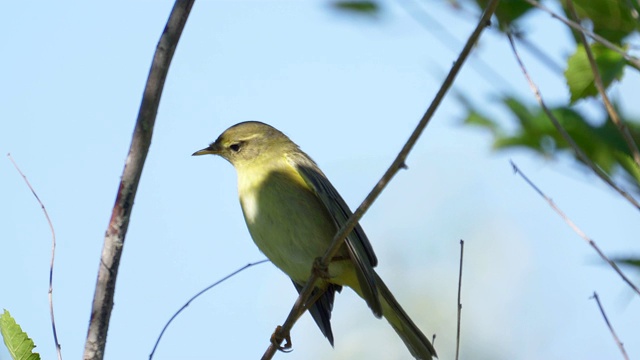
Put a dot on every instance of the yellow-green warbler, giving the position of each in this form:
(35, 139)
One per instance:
(293, 212)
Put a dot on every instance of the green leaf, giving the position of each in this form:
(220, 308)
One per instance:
(533, 130)
(474, 118)
(359, 7)
(20, 346)
(612, 19)
(634, 262)
(579, 75)
(508, 11)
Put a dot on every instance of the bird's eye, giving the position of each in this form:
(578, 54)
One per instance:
(235, 147)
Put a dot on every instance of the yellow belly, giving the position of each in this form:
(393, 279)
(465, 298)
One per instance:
(289, 224)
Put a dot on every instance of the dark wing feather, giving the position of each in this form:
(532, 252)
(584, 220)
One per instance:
(321, 309)
(358, 245)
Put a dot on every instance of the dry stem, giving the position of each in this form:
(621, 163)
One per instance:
(53, 256)
(577, 230)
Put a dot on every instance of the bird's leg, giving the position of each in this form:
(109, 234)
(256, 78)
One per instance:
(322, 270)
(277, 337)
(323, 273)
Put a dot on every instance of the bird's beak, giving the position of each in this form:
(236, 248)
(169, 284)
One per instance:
(212, 149)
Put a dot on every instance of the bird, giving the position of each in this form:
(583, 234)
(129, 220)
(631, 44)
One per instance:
(292, 212)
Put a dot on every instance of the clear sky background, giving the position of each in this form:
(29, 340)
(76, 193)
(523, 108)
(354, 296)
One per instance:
(349, 91)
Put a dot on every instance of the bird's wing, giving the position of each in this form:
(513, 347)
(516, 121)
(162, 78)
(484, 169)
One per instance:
(321, 309)
(358, 245)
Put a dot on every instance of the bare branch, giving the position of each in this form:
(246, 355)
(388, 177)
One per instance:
(576, 229)
(196, 296)
(459, 302)
(613, 114)
(632, 59)
(606, 320)
(53, 256)
(399, 163)
(117, 229)
(579, 153)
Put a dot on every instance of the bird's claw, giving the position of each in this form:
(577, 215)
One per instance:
(277, 337)
(321, 269)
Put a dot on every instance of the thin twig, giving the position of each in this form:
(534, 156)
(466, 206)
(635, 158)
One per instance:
(597, 79)
(459, 301)
(576, 229)
(121, 214)
(613, 332)
(632, 59)
(565, 135)
(196, 296)
(399, 163)
(53, 256)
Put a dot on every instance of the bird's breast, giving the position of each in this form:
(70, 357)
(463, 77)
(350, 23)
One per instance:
(287, 221)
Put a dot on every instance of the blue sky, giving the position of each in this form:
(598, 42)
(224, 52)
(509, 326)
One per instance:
(349, 91)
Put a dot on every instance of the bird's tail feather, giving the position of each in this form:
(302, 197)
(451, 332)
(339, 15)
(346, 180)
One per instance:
(419, 346)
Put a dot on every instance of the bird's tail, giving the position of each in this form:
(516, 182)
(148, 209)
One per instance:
(419, 346)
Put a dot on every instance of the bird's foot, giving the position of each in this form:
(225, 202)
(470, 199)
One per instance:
(321, 269)
(277, 337)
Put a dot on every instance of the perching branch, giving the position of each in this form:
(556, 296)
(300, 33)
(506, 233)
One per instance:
(121, 214)
(597, 79)
(613, 332)
(53, 256)
(579, 153)
(399, 163)
(577, 230)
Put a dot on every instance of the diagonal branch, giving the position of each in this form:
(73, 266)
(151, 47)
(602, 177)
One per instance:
(597, 79)
(576, 229)
(613, 332)
(579, 153)
(399, 163)
(121, 214)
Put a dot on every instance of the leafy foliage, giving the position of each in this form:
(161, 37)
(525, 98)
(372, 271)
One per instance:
(363, 7)
(603, 143)
(579, 76)
(611, 19)
(18, 343)
(628, 262)
(508, 12)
